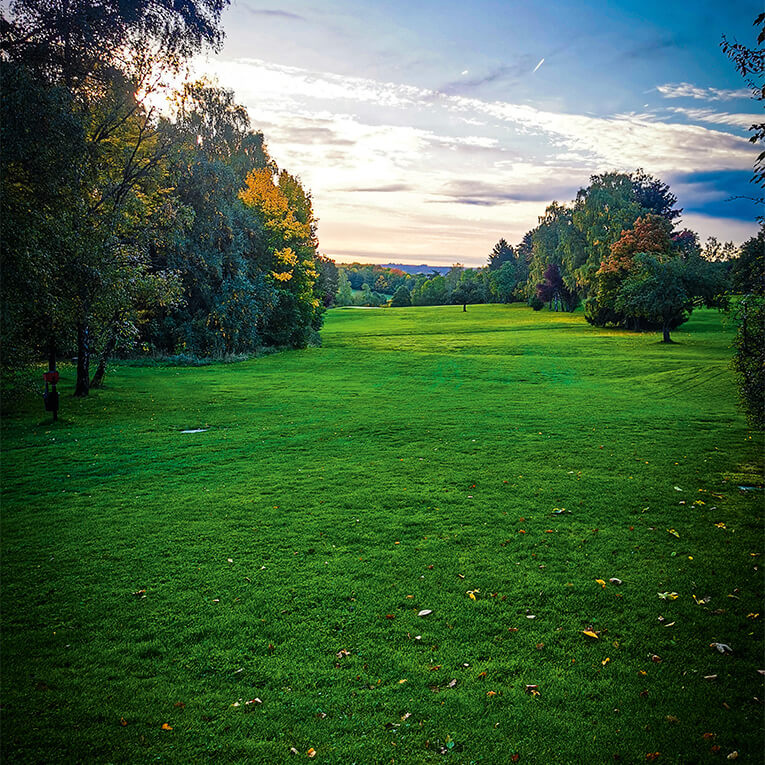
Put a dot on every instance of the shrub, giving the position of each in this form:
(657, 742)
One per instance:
(536, 303)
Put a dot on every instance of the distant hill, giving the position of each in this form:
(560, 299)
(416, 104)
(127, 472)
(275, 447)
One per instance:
(423, 269)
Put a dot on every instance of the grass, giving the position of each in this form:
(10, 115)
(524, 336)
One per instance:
(418, 455)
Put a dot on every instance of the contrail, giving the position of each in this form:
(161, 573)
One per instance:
(538, 65)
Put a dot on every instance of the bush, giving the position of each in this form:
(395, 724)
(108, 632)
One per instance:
(536, 303)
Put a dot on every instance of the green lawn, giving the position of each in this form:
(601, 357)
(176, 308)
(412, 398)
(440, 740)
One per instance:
(151, 577)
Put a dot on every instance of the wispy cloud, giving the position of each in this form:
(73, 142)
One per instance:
(687, 90)
(718, 118)
(274, 13)
(387, 189)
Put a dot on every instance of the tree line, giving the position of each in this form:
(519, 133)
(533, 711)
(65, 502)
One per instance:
(123, 228)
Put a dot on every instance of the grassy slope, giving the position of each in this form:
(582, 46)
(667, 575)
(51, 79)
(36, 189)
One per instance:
(365, 479)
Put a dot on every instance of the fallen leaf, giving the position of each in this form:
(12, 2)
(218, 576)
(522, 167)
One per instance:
(255, 701)
(732, 756)
(708, 736)
(591, 634)
(311, 752)
(425, 612)
(491, 693)
(668, 595)
(401, 682)
(390, 616)
(615, 581)
(342, 653)
(406, 716)
(710, 677)
(605, 661)
(601, 582)
(721, 525)
(672, 719)
(165, 726)
(674, 533)
(451, 684)
(293, 750)
(655, 659)
(123, 722)
(653, 756)
(471, 594)
(721, 647)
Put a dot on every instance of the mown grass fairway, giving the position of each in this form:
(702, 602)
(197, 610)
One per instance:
(417, 456)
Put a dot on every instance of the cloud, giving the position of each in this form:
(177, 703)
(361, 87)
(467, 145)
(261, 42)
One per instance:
(651, 48)
(686, 90)
(718, 118)
(386, 189)
(723, 194)
(486, 194)
(498, 74)
(274, 13)
(411, 172)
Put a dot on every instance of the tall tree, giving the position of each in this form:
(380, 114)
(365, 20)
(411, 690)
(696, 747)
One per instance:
(501, 253)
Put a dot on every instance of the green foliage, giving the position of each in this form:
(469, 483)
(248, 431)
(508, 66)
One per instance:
(656, 292)
(536, 303)
(402, 298)
(344, 294)
(501, 253)
(749, 361)
(454, 427)
(748, 270)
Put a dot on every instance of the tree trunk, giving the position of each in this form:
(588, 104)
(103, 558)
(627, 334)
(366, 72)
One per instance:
(98, 377)
(52, 368)
(82, 387)
(464, 307)
(667, 338)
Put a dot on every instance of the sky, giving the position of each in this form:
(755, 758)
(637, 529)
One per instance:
(427, 130)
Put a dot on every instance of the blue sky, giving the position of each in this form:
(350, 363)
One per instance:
(428, 130)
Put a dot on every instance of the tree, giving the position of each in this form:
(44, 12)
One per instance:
(286, 212)
(328, 279)
(552, 290)
(650, 233)
(344, 292)
(501, 253)
(657, 293)
(466, 292)
(505, 280)
(748, 270)
(401, 298)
